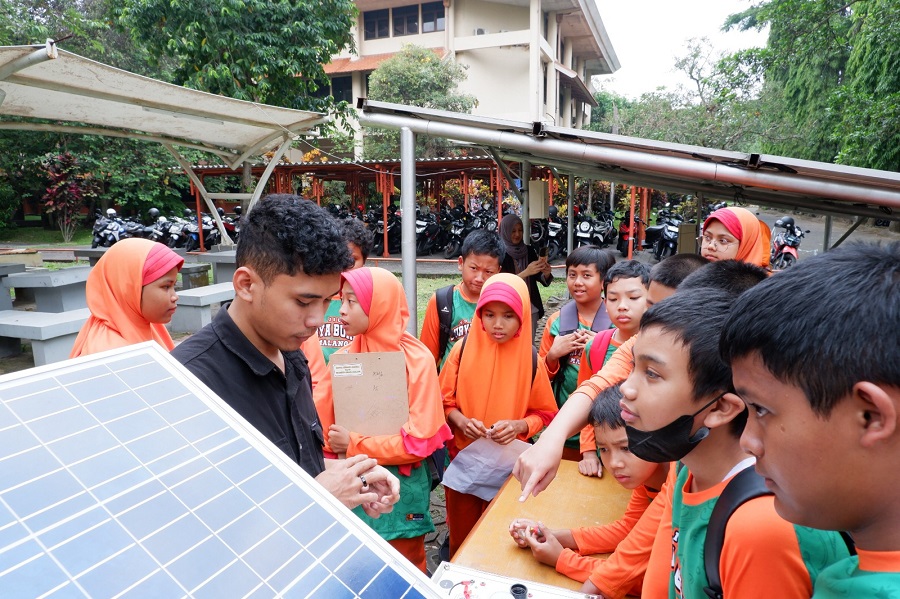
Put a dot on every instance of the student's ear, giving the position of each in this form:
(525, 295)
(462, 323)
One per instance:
(724, 411)
(459, 264)
(243, 280)
(877, 412)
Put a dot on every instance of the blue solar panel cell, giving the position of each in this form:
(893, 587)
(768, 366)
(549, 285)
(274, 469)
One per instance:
(121, 475)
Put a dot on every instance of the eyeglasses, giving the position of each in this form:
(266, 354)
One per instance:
(720, 243)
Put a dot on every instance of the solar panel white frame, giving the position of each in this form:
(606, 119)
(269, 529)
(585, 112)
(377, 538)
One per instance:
(122, 475)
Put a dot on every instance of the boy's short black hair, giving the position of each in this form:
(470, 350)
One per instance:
(824, 325)
(673, 270)
(696, 318)
(602, 260)
(605, 410)
(627, 269)
(285, 234)
(733, 276)
(355, 232)
(483, 243)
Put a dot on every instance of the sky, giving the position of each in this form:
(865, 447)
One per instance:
(649, 35)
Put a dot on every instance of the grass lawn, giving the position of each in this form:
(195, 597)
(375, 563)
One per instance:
(427, 285)
(38, 236)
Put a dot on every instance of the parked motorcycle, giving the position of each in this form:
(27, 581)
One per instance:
(394, 233)
(785, 243)
(432, 232)
(666, 244)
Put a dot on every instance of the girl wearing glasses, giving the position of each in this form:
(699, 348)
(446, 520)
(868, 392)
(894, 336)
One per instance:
(735, 234)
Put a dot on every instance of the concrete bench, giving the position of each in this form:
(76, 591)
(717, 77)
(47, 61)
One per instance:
(195, 306)
(52, 334)
(54, 290)
(93, 254)
(223, 264)
(194, 275)
(5, 270)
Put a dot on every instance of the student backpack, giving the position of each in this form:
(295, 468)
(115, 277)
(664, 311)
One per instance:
(568, 323)
(599, 347)
(745, 485)
(444, 302)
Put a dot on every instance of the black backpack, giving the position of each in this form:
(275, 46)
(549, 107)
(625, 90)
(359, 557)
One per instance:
(444, 300)
(745, 485)
(568, 323)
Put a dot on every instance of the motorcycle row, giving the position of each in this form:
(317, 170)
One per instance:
(174, 231)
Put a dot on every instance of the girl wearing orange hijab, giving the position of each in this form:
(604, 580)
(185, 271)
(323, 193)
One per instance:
(131, 295)
(735, 234)
(373, 310)
(490, 391)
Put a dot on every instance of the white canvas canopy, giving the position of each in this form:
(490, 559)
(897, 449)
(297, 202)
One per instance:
(87, 97)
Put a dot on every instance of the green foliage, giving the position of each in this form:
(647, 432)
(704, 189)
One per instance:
(256, 50)
(416, 76)
(831, 79)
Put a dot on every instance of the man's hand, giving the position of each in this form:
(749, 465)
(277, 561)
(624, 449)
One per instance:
(537, 466)
(504, 431)
(361, 481)
(338, 438)
(590, 465)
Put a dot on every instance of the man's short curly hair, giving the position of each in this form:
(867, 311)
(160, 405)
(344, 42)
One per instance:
(286, 234)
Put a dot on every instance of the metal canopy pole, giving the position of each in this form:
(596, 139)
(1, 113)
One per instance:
(860, 220)
(408, 222)
(226, 239)
(526, 214)
(570, 214)
(506, 174)
(630, 159)
(826, 241)
(264, 178)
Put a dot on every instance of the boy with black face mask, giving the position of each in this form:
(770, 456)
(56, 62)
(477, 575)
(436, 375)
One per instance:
(678, 404)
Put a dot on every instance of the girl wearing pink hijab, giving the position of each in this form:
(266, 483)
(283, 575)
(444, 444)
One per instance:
(735, 234)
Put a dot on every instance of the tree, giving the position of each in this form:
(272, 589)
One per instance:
(67, 190)
(416, 76)
(832, 79)
(268, 52)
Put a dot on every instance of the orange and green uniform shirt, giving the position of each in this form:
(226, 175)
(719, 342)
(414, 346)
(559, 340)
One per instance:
(463, 314)
(331, 334)
(873, 574)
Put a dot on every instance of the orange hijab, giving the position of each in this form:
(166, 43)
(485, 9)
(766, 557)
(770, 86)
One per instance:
(754, 236)
(114, 288)
(426, 430)
(494, 381)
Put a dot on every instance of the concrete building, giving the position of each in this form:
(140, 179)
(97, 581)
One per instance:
(528, 60)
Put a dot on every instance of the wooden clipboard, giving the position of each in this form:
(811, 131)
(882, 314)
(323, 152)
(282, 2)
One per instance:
(370, 394)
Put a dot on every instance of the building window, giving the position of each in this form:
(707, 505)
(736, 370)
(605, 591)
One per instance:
(376, 24)
(406, 20)
(342, 89)
(432, 17)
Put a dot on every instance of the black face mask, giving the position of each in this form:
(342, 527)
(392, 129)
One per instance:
(669, 443)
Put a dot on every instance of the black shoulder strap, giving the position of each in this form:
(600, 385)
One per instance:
(444, 300)
(568, 318)
(534, 356)
(601, 319)
(746, 485)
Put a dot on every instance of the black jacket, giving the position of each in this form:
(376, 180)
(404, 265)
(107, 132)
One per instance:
(509, 265)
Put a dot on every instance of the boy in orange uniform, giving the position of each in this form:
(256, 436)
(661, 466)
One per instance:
(494, 387)
(625, 292)
(480, 259)
(566, 549)
(569, 330)
(678, 405)
(814, 353)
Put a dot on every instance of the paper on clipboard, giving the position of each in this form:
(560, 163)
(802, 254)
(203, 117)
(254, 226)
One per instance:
(370, 394)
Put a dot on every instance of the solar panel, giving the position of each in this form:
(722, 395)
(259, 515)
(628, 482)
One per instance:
(122, 475)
